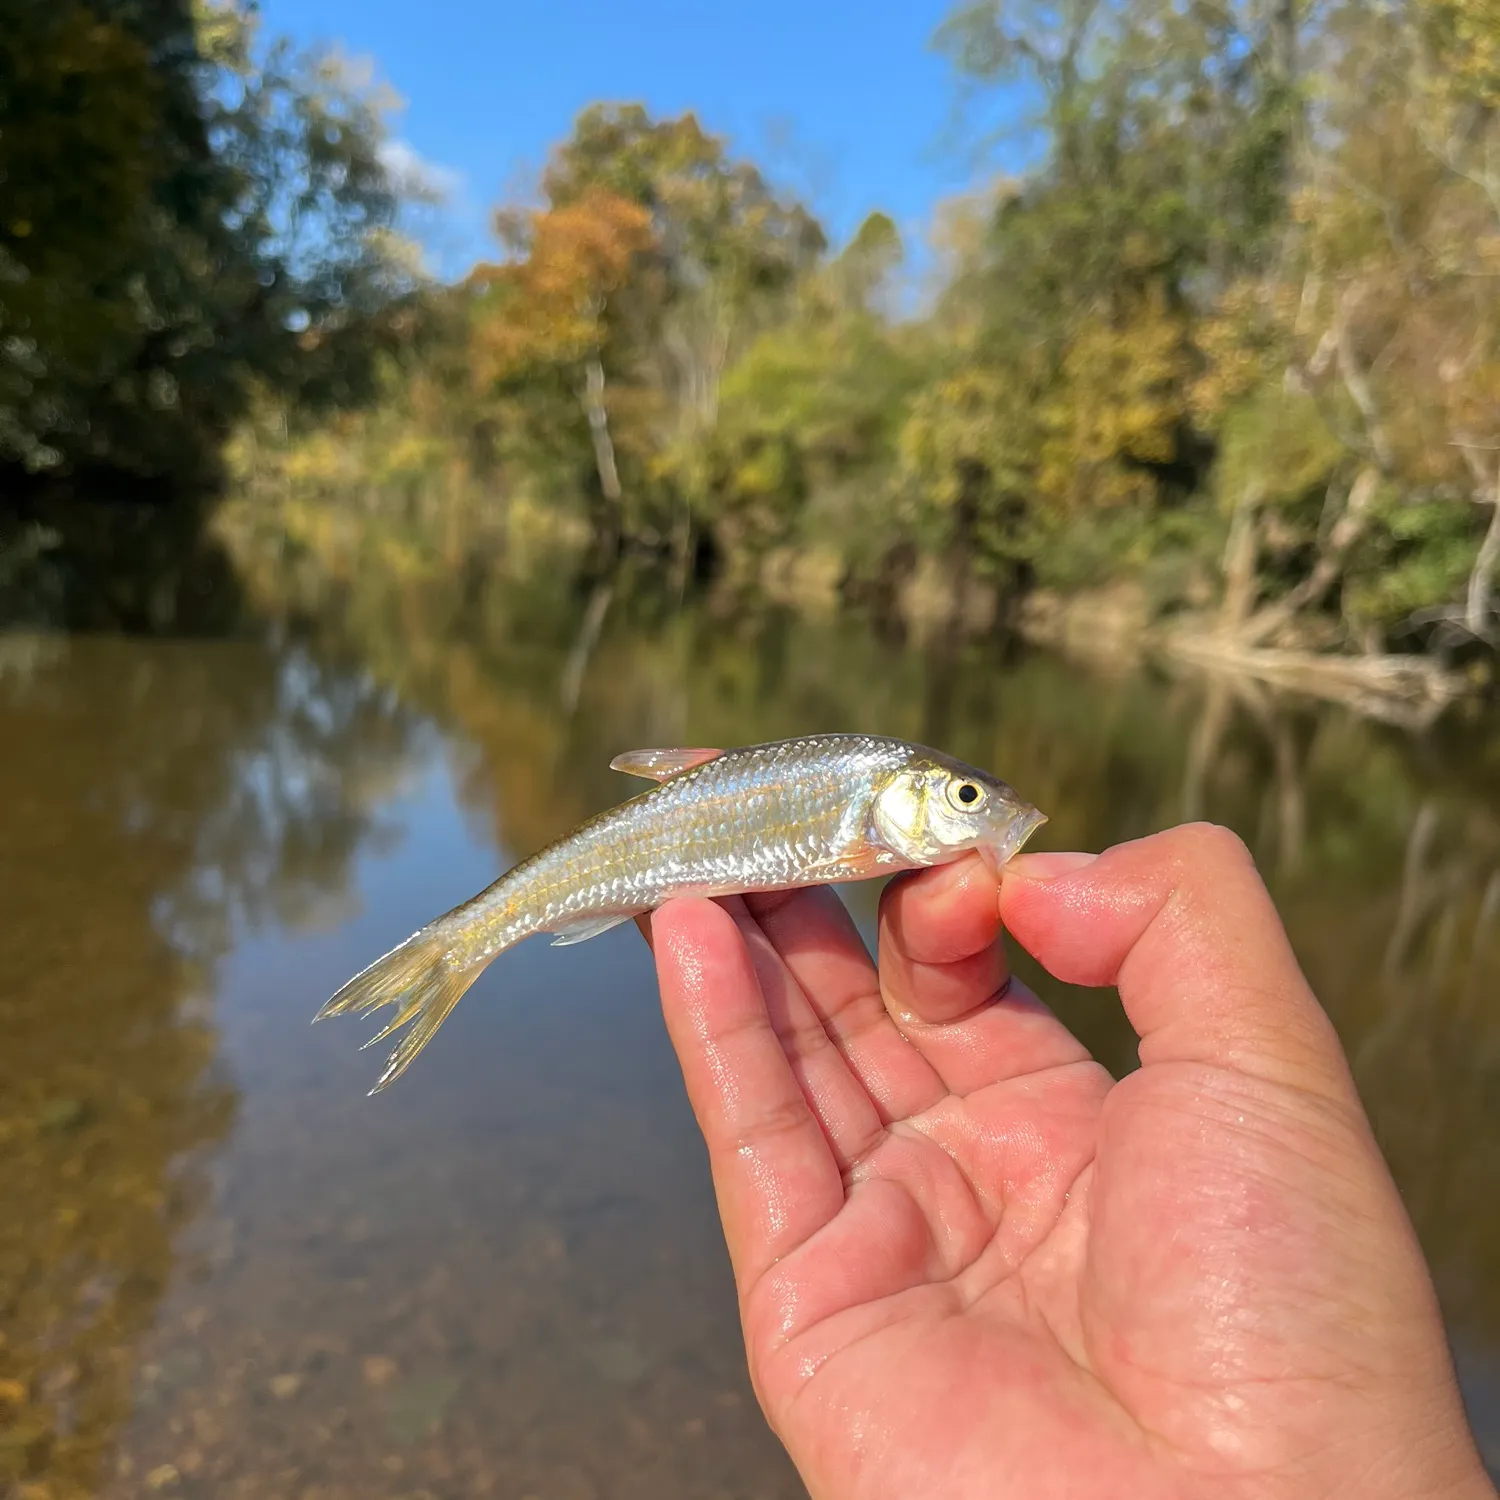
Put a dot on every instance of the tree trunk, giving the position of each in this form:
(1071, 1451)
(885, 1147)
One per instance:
(1284, 40)
(604, 454)
(1329, 567)
(1477, 603)
(1239, 557)
(1203, 749)
(1356, 383)
(584, 643)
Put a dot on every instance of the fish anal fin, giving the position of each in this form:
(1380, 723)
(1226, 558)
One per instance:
(661, 765)
(589, 927)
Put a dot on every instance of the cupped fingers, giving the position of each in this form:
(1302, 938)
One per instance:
(816, 939)
(839, 1100)
(775, 1175)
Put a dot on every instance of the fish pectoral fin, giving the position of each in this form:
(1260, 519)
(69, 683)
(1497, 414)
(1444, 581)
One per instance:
(661, 765)
(855, 864)
(589, 927)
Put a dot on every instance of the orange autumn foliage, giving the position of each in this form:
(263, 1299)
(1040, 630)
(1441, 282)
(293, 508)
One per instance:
(549, 306)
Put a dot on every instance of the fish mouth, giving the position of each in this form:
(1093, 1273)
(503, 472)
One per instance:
(1003, 850)
(1020, 831)
(1027, 825)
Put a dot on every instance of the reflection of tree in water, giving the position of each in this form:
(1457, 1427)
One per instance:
(1383, 854)
(154, 794)
(1382, 851)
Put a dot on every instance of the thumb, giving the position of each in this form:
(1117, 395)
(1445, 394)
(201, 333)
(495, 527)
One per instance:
(1183, 925)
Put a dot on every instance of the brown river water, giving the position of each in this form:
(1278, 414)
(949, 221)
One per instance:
(225, 1272)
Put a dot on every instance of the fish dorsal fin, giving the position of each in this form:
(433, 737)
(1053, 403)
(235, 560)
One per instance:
(661, 765)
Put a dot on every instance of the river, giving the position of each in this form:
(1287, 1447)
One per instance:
(225, 1272)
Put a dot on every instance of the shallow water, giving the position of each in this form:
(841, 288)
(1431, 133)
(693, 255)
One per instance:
(224, 1272)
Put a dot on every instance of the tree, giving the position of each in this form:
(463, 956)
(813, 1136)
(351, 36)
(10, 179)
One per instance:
(1375, 339)
(725, 245)
(186, 212)
(553, 310)
(1066, 400)
(802, 442)
(1237, 328)
(652, 266)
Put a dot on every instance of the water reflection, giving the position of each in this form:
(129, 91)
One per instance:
(224, 1272)
(1382, 850)
(154, 793)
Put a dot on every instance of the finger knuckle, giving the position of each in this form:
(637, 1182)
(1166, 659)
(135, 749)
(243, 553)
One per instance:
(776, 1120)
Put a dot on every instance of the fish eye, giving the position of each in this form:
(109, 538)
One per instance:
(967, 795)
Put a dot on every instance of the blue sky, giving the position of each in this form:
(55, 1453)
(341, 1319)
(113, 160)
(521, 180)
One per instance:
(843, 101)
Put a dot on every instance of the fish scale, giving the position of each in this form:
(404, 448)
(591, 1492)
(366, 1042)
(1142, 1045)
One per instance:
(809, 811)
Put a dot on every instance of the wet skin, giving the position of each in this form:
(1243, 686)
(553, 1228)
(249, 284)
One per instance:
(971, 1264)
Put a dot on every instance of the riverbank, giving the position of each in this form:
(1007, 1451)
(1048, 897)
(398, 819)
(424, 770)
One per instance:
(1117, 625)
(248, 563)
(1119, 621)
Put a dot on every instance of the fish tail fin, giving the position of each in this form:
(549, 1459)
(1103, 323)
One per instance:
(422, 979)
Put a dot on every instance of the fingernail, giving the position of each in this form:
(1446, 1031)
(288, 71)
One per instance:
(1047, 866)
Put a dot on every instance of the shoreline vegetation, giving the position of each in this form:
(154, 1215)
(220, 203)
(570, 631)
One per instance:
(1215, 382)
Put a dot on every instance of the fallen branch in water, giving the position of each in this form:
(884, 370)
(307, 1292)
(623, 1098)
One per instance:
(1408, 691)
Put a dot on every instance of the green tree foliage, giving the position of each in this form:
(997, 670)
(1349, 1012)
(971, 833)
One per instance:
(184, 212)
(1168, 129)
(725, 244)
(586, 366)
(807, 421)
(1234, 337)
(1377, 333)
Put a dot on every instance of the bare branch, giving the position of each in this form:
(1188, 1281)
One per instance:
(1478, 604)
(1358, 386)
(1313, 589)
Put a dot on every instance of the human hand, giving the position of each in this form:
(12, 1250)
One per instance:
(971, 1264)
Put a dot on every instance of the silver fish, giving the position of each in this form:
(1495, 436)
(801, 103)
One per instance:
(799, 812)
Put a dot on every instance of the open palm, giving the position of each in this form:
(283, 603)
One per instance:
(972, 1264)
